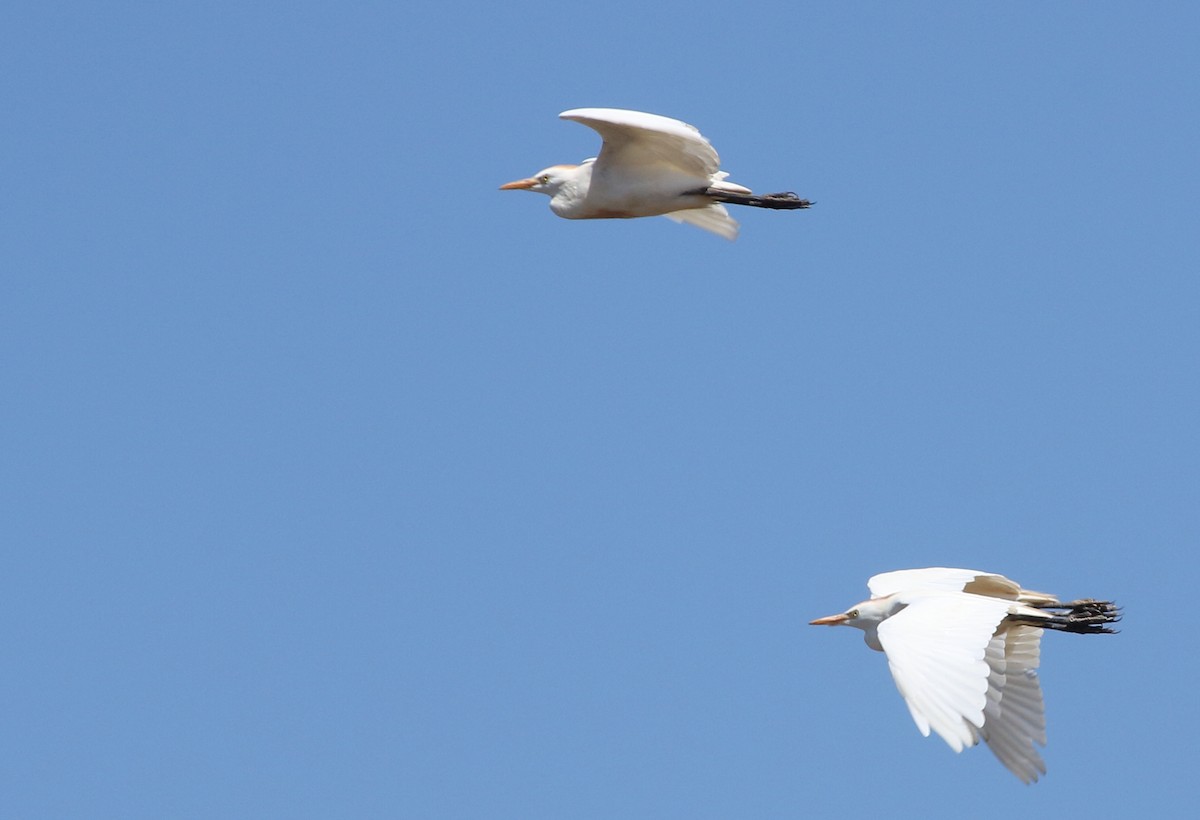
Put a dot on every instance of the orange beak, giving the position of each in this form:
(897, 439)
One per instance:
(519, 185)
(831, 620)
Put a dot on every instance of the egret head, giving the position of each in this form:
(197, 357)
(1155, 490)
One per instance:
(864, 616)
(548, 181)
(847, 618)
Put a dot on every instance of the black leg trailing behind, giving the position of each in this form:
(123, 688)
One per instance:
(1085, 617)
(786, 201)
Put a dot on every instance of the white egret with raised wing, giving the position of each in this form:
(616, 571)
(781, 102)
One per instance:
(964, 647)
(649, 165)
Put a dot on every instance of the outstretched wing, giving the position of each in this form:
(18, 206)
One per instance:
(936, 650)
(1014, 716)
(635, 142)
(944, 579)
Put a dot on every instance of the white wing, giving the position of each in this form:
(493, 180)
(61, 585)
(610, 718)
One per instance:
(636, 142)
(1014, 716)
(714, 219)
(944, 579)
(936, 650)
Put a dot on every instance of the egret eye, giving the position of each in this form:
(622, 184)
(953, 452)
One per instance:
(852, 613)
(544, 178)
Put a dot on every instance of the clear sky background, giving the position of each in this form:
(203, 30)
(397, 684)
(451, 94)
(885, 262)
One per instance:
(337, 483)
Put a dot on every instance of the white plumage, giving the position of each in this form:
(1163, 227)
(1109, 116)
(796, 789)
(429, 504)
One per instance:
(649, 165)
(963, 647)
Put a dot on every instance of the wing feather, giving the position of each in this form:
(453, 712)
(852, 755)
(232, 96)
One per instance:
(714, 219)
(936, 649)
(635, 141)
(1014, 717)
(944, 579)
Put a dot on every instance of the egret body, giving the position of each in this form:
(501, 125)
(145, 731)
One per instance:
(963, 647)
(648, 165)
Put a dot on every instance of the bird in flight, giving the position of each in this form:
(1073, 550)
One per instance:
(649, 165)
(963, 647)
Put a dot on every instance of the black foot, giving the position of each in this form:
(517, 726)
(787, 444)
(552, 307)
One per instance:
(787, 200)
(1087, 616)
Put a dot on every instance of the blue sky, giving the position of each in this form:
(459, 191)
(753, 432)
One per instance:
(338, 483)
